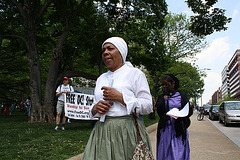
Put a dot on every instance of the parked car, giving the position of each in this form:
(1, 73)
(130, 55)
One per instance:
(229, 112)
(206, 108)
(213, 112)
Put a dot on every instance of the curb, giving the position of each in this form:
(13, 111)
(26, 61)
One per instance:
(150, 129)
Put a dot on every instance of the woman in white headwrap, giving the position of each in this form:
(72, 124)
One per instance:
(121, 91)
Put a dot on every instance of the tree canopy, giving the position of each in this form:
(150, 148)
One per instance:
(207, 18)
(43, 40)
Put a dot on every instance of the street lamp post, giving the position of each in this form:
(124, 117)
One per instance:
(195, 101)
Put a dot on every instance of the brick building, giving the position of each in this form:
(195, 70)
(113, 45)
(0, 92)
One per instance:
(217, 96)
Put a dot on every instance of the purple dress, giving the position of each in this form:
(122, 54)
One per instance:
(171, 147)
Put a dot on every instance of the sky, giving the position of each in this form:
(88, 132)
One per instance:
(221, 45)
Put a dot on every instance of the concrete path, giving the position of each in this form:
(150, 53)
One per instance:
(206, 142)
(232, 131)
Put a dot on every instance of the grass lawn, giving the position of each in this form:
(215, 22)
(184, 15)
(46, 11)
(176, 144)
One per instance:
(22, 140)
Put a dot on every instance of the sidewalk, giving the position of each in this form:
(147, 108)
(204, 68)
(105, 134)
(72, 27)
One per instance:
(206, 142)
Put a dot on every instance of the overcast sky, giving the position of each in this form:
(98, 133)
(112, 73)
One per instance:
(222, 45)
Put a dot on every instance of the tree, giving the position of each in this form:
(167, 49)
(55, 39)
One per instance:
(51, 23)
(31, 18)
(14, 73)
(56, 38)
(226, 98)
(166, 45)
(179, 40)
(207, 19)
(189, 77)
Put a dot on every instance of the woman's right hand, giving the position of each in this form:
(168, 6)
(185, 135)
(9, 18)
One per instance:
(101, 107)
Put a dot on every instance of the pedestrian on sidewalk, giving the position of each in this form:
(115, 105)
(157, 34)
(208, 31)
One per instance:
(172, 134)
(118, 93)
(61, 90)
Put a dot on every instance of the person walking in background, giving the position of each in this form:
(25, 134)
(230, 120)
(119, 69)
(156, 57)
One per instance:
(22, 106)
(61, 90)
(28, 106)
(172, 134)
(2, 108)
(120, 92)
(13, 108)
(7, 108)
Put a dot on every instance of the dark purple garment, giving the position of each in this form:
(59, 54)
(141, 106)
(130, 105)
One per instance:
(171, 147)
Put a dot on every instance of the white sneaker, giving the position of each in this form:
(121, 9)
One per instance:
(56, 128)
(69, 121)
(63, 128)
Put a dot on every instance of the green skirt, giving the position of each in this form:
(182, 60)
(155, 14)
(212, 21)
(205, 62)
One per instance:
(115, 139)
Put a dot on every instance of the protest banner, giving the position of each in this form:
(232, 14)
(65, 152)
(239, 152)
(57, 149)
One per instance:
(78, 105)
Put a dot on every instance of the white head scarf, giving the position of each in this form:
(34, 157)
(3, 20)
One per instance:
(121, 45)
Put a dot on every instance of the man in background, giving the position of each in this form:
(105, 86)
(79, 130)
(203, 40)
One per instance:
(60, 92)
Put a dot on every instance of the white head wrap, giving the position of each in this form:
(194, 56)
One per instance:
(121, 45)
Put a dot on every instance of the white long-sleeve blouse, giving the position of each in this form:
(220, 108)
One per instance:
(132, 83)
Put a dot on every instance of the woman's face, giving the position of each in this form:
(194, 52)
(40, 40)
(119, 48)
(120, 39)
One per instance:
(112, 57)
(167, 87)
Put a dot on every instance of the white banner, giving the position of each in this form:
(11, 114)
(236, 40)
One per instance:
(78, 105)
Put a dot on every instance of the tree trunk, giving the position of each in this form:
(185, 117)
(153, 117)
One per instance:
(39, 112)
(52, 79)
(35, 74)
(52, 82)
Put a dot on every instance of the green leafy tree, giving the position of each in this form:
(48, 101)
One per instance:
(207, 18)
(179, 40)
(48, 29)
(63, 38)
(43, 25)
(226, 98)
(14, 74)
(172, 43)
(189, 77)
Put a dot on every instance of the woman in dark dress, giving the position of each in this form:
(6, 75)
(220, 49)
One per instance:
(172, 135)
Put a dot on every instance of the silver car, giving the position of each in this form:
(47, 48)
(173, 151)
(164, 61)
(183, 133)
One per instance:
(229, 112)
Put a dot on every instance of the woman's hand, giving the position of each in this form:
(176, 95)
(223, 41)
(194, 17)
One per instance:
(101, 107)
(111, 94)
